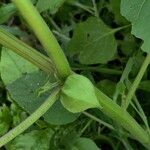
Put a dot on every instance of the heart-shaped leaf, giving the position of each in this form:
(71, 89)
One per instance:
(78, 94)
(12, 66)
(137, 11)
(25, 92)
(93, 41)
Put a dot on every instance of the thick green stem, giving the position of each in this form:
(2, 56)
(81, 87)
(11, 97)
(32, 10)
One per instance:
(30, 120)
(137, 80)
(114, 111)
(25, 51)
(45, 36)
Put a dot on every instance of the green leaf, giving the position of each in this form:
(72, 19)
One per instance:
(5, 119)
(25, 92)
(58, 115)
(6, 12)
(107, 86)
(78, 94)
(94, 42)
(84, 144)
(145, 85)
(18, 115)
(14, 30)
(137, 12)
(12, 66)
(115, 4)
(128, 44)
(34, 140)
(51, 5)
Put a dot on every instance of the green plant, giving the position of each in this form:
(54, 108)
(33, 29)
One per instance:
(76, 92)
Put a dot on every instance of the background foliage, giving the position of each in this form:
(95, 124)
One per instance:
(98, 43)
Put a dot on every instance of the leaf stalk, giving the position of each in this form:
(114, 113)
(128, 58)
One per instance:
(137, 81)
(30, 120)
(45, 36)
(10, 41)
